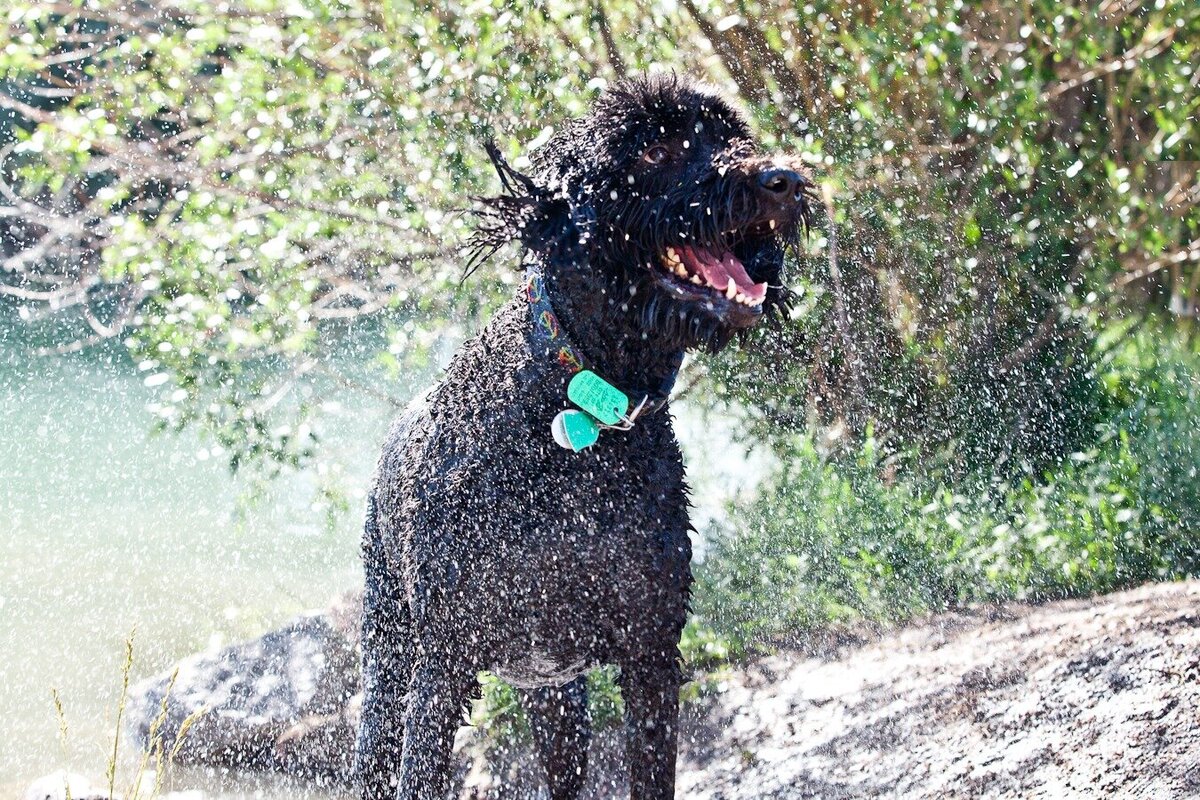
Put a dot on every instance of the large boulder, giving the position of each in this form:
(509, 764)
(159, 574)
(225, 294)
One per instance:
(287, 701)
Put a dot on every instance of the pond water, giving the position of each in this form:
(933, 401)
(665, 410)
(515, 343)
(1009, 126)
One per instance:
(107, 528)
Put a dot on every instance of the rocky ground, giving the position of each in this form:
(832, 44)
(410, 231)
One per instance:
(1085, 698)
(1089, 698)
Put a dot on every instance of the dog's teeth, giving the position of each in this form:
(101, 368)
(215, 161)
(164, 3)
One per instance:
(696, 279)
(680, 271)
(731, 289)
(741, 298)
(671, 254)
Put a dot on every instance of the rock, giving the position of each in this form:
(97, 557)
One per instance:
(55, 787)
(284, 702)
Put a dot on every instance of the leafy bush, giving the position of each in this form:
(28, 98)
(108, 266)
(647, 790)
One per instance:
(833, 540)
(498, 713)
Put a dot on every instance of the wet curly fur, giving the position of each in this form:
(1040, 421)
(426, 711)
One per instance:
(489, 547)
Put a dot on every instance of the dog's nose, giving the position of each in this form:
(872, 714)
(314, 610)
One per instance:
(781, 185)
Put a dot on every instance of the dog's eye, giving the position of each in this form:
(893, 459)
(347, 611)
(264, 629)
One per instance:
(656, 154)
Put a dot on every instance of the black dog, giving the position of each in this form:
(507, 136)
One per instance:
(650, 226)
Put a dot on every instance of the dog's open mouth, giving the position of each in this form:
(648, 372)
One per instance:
(695, 271)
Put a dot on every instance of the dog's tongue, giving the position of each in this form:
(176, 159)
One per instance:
(718, 272)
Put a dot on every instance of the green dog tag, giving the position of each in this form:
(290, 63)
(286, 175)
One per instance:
(597, 397)
(574, 430)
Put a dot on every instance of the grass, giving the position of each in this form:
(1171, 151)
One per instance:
(156, 751)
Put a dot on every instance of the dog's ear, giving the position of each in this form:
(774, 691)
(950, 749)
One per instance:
(525, 212)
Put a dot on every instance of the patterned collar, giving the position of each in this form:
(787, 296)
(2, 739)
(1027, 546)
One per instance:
(547, 328)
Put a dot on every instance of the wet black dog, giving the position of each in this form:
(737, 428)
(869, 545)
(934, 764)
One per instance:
(651, 226)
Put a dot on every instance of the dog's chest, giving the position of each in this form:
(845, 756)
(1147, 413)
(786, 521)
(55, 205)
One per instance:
(566, 556)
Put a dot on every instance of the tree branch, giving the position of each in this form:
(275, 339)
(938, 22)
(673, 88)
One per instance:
(606, 35)
(841, 318)
(1145, 50)
(1189, 252)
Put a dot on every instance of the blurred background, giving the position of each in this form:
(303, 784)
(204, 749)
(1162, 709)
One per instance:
(228, 256)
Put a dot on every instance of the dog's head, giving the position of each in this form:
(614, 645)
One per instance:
(661, 195)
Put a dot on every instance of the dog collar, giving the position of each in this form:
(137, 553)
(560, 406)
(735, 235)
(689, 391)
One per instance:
(604, 406)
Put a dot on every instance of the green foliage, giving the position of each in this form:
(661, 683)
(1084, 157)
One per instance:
(832, 541)
(996, 179)
(227, 184)
(253, 177)
(704, 652)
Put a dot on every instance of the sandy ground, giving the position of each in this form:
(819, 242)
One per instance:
(1090, 698)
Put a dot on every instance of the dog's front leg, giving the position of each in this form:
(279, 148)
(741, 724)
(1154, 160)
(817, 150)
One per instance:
(651, 693)
(439, 693)
(386, 669)
(385, 673)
